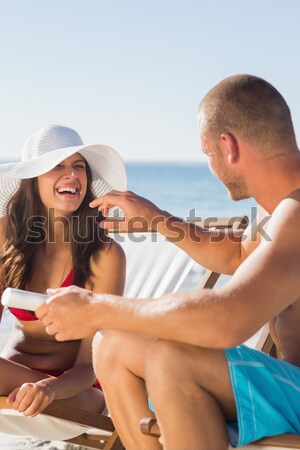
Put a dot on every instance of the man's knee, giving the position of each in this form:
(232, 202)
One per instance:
(162, 359)
(106, 349)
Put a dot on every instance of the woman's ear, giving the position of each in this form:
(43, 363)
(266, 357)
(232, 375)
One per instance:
(230, 146)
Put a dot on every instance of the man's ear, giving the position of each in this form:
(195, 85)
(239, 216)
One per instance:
(230, 145)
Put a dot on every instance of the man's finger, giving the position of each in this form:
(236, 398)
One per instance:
(104, 209)
(41, 311)
(113, 198)
(60, 337)
(126, 226)
(99, 202)
(114, 224)
(51, 329)
(47, 321)
(55, 291)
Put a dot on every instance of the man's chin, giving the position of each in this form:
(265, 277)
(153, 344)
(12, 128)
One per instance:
(236, 196)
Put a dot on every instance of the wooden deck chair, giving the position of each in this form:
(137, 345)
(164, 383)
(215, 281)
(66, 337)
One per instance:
(265, 343)
(154, 267)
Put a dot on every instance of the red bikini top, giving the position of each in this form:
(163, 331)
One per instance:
(26, 316)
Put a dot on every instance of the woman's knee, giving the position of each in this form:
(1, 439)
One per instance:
(90, 399)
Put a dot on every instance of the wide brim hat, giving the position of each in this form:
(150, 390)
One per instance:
(46, 148)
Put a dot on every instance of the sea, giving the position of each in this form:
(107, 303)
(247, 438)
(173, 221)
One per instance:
(186, 190)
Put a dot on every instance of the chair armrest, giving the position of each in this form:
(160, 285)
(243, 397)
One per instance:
(282, 440)
(149, 426)
(80, 416)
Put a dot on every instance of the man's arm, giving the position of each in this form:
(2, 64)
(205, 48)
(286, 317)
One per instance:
(266, 283)
(220, 251)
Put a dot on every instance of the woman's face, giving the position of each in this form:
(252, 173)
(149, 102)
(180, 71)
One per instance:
(64, 187)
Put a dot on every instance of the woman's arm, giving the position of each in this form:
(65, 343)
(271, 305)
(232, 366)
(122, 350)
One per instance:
(109, 269)
(75, 380)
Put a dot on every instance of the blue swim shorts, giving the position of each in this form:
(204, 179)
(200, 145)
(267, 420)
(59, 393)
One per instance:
(267, 395)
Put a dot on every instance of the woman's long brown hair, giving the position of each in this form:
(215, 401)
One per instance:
(26, 231)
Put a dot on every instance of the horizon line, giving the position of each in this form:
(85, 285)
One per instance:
(137, 161)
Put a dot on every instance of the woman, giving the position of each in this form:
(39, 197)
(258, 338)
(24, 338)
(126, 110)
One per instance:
(50, 237)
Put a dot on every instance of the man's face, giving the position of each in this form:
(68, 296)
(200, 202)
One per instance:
(219, 165)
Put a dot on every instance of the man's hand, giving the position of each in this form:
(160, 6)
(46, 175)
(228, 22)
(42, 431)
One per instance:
(31, 398)
(66, 314)
(139, 212)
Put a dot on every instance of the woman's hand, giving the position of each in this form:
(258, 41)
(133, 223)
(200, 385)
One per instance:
(31, 398)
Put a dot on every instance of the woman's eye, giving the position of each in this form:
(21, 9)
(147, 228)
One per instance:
(80, 166)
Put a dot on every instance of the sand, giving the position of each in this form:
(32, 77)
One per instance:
(8, 442)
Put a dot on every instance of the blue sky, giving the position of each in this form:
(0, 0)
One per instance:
(131, 73)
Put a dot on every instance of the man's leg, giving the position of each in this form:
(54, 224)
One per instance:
(119, 365)
(191, 392)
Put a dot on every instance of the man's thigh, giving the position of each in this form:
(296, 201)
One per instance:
(205, 368)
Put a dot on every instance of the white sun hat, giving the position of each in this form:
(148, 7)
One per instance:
(50, 145)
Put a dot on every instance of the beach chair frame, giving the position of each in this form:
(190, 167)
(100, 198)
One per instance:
(82, 417)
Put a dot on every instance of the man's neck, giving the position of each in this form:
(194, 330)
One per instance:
(275, 180)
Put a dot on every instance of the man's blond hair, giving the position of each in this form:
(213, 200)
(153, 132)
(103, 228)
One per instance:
(250, 107)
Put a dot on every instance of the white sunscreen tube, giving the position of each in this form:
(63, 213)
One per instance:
(17, 298)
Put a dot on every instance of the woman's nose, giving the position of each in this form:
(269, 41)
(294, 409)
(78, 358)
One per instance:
(70, 173)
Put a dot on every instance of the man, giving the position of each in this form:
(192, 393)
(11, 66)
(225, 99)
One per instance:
(185, 346)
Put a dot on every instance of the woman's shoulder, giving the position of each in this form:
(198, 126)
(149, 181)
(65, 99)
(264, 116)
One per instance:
(111, 253)
(108, 267)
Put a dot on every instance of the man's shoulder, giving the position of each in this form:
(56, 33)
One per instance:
(294, 195)
(285, 220)
(289, 205)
